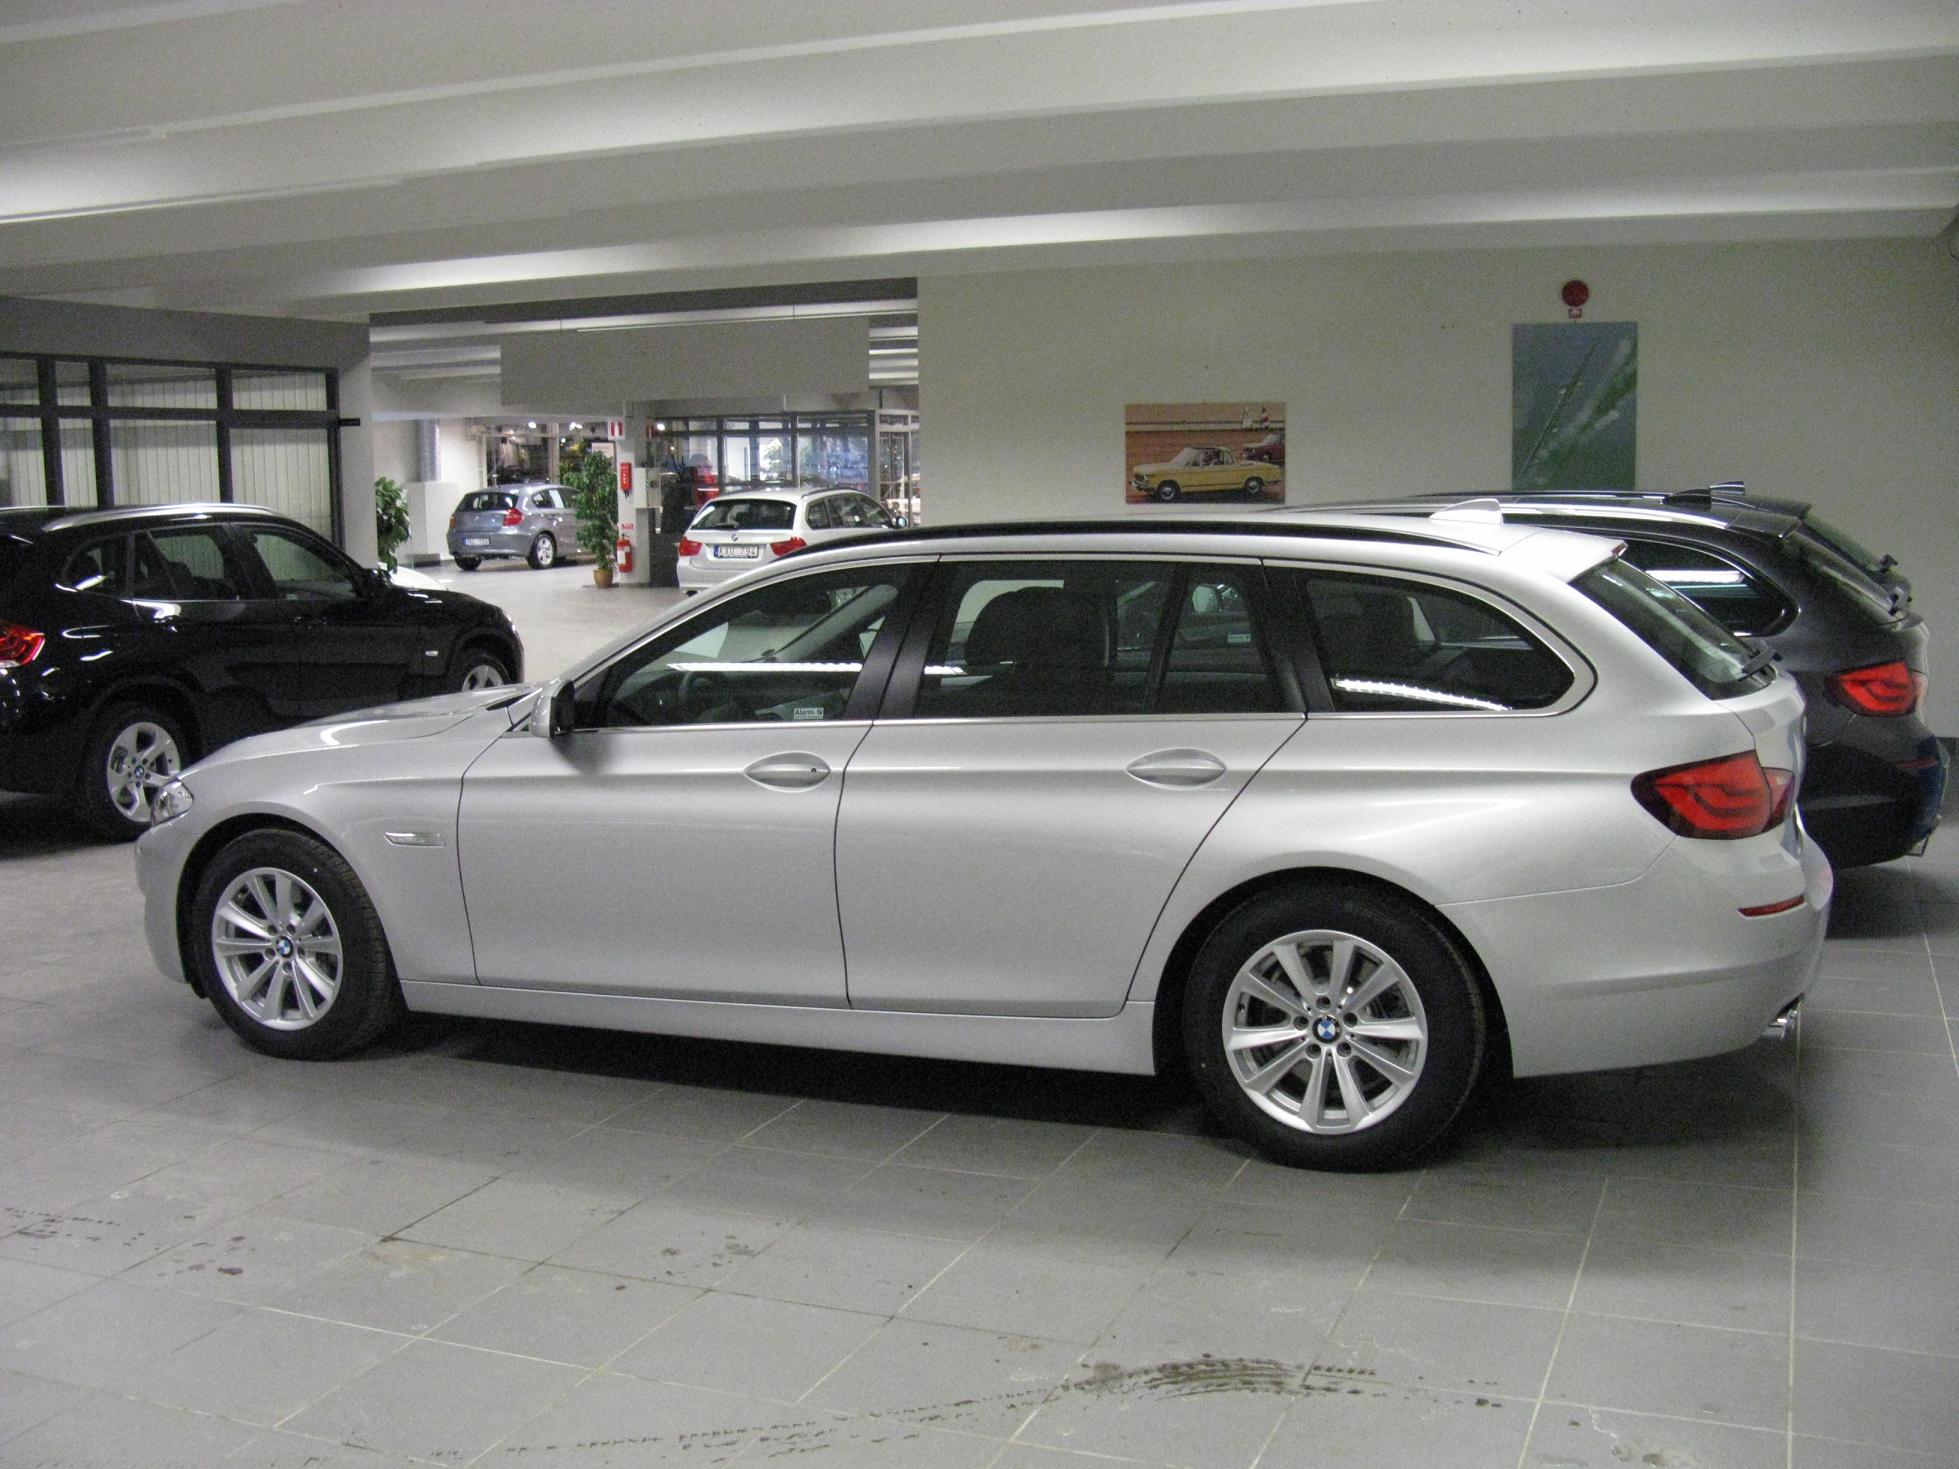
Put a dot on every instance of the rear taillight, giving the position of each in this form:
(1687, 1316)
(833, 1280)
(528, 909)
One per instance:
(687, 547)
(19, 645)
(452, 521)
(1724, 800)
(783, 548)
(1887, 690)
(513, 516)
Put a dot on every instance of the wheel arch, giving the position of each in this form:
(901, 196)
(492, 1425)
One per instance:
(482, 639)
(1173, 982)
(173, 698)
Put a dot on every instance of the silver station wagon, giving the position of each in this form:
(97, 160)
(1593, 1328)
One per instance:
(1332, 811)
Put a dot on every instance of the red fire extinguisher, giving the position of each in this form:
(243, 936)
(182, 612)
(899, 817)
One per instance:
(624, 554)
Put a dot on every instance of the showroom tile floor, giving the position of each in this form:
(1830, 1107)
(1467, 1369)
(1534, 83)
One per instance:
(516, 1246)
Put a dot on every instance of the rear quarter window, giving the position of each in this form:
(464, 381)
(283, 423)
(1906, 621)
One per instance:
(1388, 645)
(1697, 647)
(1741, 600)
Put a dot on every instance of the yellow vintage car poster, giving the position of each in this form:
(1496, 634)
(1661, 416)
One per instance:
(1205, 453)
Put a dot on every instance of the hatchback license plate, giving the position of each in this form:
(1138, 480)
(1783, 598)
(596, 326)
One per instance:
(476, 540)
(737, 553)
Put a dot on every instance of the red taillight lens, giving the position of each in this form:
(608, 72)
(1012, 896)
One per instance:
(783, 548)
(19, 645)
(687, 547)
(1887, 690)
(1724, 800)
(452, 521)
(513, 516)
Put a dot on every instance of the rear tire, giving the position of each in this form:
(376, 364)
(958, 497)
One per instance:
(543, 552)
(286, 944)
(468, 563)
(1254, 487)
(133, 749)
(1334, 1027)
(1168, 491)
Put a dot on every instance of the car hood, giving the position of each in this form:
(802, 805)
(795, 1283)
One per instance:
(488, 712)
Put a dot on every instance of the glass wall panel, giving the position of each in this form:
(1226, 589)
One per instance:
(287, 470)
(19, 380)
(738, 461)
(77, 463)
(23, 473)
(142, 385)
(71, 388)
(287, 391)
(163, 463)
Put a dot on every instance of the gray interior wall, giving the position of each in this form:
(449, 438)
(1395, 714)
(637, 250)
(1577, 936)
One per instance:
(744, 359)
(1824, 371)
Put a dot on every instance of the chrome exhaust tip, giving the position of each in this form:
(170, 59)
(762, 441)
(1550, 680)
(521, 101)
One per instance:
(1785, 1025)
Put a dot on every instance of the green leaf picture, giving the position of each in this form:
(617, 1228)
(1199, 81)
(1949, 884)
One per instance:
(1574, 395)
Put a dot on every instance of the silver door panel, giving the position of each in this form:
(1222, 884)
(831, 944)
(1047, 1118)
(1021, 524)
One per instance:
(1016, 867)
(650, 862)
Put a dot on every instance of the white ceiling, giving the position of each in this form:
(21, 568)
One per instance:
(340, 157)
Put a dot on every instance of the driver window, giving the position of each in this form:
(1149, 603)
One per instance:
(299, 572)
(790, 651)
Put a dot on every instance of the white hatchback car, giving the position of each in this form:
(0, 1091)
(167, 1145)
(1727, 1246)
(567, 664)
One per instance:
(1336, 811)
(745, 529)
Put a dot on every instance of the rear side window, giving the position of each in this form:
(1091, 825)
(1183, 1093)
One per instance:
(96, 567)
(1393, 646)
(1061, 639)
(1738, 599)
(191, 565)
(819, 515)
(1698, 648)
(737, 514)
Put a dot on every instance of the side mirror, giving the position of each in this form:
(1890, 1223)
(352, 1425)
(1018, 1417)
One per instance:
(900, 522)
(564, 709)
(374, 581)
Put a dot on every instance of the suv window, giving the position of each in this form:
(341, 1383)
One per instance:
(1389, 645)
(1087, 638)
(1699, 648)
(189, 565)
(789, 651)
(300, 572)
(1740, 600)
(96, 567)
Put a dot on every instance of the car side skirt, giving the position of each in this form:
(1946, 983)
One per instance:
(1120, 1043)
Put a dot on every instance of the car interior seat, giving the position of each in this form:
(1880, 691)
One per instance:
(1049, 647)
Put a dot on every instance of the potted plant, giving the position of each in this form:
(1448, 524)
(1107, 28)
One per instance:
(594, 486)
(390, 519)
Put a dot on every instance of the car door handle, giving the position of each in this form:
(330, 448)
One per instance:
(1177, 768)
(795, 772)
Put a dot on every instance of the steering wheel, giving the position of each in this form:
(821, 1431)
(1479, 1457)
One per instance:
(701, 688)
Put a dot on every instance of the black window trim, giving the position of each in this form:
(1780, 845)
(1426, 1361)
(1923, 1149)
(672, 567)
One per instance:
(1785, 600)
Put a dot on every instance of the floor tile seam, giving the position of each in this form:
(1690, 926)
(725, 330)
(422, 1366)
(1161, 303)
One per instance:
(1664, 1417)
(1769, 1334)
(1931, 1460)
(1564, 1325)
(483, 1455)
(1830, 1045)
(1814, 1340)
(1952, 1042)
(1795, 1259)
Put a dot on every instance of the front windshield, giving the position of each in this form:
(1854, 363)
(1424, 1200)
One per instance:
(1188, 457)
(736, 513)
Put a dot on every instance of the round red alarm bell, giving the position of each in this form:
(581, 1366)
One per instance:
(1575, 294)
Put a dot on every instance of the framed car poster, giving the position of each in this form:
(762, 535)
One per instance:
(1204, 453)
(1574, 389)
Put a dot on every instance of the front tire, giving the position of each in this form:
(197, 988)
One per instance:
(1254, 487)
(543, 552)
(1334, 1027)
(286, 944)
(132, 750)
(1168, 491)
(480, 669)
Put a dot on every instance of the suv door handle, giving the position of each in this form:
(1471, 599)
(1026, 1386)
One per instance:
(795, 772)
(1177, 768)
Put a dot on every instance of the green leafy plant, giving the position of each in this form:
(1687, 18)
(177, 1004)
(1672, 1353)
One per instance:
(390, 519)
(594, 486)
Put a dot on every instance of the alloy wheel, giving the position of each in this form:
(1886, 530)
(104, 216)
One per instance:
(1325, 1031)
(142, 757)
(277, 948)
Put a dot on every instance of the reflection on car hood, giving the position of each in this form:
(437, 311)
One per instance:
(414, 719)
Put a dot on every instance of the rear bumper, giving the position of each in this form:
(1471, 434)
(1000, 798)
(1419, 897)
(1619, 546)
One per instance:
(1863, 807)
(492, 543)
(1661, 969)
(699, 572)
(41, 736)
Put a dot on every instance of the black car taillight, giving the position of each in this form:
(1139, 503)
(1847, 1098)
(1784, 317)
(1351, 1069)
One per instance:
(19, 644)
(1887, 690)
(1721, 800)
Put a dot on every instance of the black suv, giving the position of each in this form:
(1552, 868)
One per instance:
(1837, 617)
(134, 640)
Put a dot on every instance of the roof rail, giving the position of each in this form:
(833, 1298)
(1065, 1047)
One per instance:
(1151, 525)
(1483, 510)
